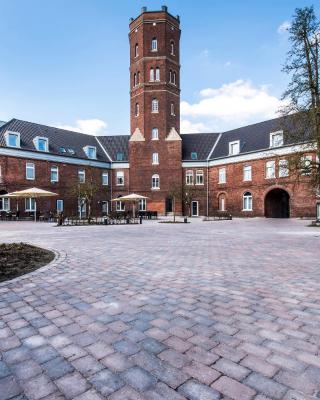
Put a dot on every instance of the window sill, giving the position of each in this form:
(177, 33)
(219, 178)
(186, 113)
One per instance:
(247, 180)
(154, 138)
(199, 184)
(155, 188)
(120, 184)
(154, 112)
(222, 183)
(247, 210)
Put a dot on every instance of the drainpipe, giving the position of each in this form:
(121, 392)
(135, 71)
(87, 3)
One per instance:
(207, 189)
(111, 180)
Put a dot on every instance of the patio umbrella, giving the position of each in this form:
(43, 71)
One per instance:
(133, 198)
(32, 193)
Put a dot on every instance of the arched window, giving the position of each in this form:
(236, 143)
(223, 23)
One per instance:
(134, 79)
(172, 47)
(136, 110)
(136, 50)
(247, 201)
(174, 80)
(170, 76)
(222, 202)
(172, 108)
(151, 74)
(154, 44)
(155, 106)
(155, 134)
(157, 74)
(138, 78)
(155, 181)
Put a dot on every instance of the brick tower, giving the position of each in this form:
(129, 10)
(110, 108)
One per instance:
(155, 144)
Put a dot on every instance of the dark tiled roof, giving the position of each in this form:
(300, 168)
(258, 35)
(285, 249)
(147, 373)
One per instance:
(116, 144)
(200, 143)
(57, 138)
(2, 123)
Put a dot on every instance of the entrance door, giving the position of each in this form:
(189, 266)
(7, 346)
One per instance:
(277, 204)
(169, 208)
(195, 208)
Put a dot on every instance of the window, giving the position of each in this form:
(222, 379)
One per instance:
(71, 151)
(234, 148)
(41, 143)
(54, 174)
(13, 139)
(306, 165)
(154, 44)
(276, 139)
(120, 206)
(30, 171)
(59, 206)
(155, 106)
(30, 204)
(105, 178)
(136, 50)
(120, 178)
(155, 158)
(189, 178)
(4, 204)
(143, 205)
(172, 48)
(172, 108)
(105, 207)
(199, 178)
(119, 156)
(174, 78)
(81, 176)
(157, 74)
(283, 168)
(151, 74)
(138, 78)
(136, 109)
(247, 173)
(194, 155)
(247, 201)
(134, 79)
(90, 151)
(62, 150)
(222, 175)
(155, 182)
(155, 134)
(170, 76)
(270, 169)
(82, 207)
(222, 202)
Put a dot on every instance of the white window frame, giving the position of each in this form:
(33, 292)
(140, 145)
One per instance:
(189, 177)
(60, 205)
(151, 74)
(283, 168)
(120, 206)
(172, 110)
(154, 44)
(30, 167)
(136, 50)
(155, 134)
(54, 170)
(37, 140)
(142, 205)
(197, 214)
(30, 204)
(273, 135)
(247, 202)
(105, 178)
(222, 175)
(199, 177)
(270, 169)
(4, 204)
(88, 149)
(155, 106)
(222, 202)
(306, 160)
(82, 207)
(137, 110)
(157, 76)
(174, 78)
(120, 178)
(7, 136)
(247, 173)
(82, 176)
(155, 182)
(231, 146)
(155, 158)
(172, 48)
(105, 207)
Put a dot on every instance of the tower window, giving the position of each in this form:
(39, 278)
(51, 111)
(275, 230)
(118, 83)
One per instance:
(155, 181)
(136, 50)
(154, 44)
(155, 158)
(174, 78)
(155, 106)
(155, 134)
(172, 108)
(135, 80)
(157, 74)
(151, 74)
(172, 48)
(170, 76)
(136, 111)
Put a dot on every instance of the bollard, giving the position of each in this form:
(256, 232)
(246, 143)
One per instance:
(185, 220)
(140, 219)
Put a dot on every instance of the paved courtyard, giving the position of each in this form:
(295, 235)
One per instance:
(208, 310)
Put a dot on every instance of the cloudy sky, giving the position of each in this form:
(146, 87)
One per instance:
(65, 62)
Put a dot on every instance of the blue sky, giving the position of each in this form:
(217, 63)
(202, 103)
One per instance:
(65, 62)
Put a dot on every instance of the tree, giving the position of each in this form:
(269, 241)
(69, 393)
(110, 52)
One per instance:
(175, 193)
(190, 192)
(302, 110)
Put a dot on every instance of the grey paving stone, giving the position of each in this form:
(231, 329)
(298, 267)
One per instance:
(4, 370)
(152, 345)
(38, 387)
(139, 378)
(194, 390)
(57, 367)
(72, 385)
(265, 385)
(87, 365)
(44, 353)
(106, 382)
(9, 388)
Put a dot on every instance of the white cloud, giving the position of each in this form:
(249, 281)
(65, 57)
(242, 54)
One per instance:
(284, 27)
(187, 126)
(230, 106)
(93, 126)
(227, 64)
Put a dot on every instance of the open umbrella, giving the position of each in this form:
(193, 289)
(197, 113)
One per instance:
(32, 193)
(133, 198)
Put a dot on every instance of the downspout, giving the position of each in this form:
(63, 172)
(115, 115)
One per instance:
(208, 158)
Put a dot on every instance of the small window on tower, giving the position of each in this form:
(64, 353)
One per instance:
(154, 44)
(157, 74)
(172, 108)
(136, 111)
(170, 76)
(155, 134)
(135, 80)
(136, 50)
(155, 106)
(138, 78)
(174, 80)
(172, 47)
(151, 74)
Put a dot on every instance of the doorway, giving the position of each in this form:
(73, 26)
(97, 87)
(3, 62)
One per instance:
(169, 205)
(195, 209)
(277, 204)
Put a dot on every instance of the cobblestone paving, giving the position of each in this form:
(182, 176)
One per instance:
(208, 310)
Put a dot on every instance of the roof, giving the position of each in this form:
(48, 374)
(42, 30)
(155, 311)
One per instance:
(116, 144)
(58, 138)
(2, 123)
(200, 143)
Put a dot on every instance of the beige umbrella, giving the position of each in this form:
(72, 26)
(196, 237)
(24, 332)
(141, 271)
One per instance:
(133, 197)
(32, 193)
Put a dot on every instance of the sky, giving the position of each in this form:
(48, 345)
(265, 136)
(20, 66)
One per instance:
(65, 63)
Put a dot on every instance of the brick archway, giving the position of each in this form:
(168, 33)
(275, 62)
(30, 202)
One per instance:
(277, 204)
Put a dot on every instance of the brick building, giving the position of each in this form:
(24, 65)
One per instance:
(243, 171)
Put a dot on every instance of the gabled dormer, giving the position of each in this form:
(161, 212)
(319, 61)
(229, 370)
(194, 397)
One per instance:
(234, 148)
(41, 143)
(91, 152)
(276, 139)
(12, 139)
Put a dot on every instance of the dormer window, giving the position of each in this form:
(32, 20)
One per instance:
(91, 151)
(276, 139)
(119, 157)
(62, 150)
(154, 44)
(194, 155)
(71, 151)
(234, 148)
(41, 143)
(12, 139)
